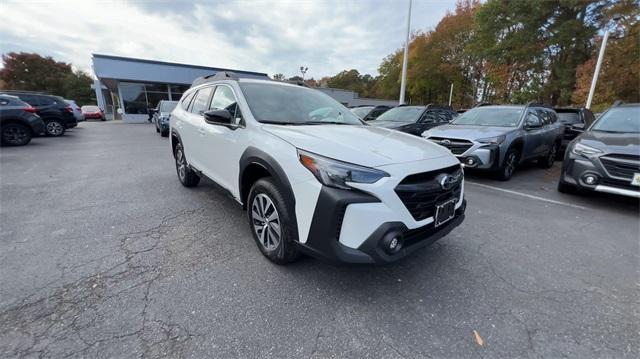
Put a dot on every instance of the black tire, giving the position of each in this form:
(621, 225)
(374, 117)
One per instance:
(16, 134)
(567, 188)
(286, 250)
(164, 133)
(508, 166)
(54, 128)
(186, 175)
(548, 160)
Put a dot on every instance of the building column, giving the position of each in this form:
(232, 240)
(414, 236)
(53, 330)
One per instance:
(97, 86)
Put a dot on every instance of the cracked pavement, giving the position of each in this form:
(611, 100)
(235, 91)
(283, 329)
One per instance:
(104, 254)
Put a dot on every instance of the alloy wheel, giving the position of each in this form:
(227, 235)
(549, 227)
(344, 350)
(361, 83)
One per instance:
(266, 222)
(552, 155)
(510, 164)
(15, 135)
(54, 128)
(182, 166)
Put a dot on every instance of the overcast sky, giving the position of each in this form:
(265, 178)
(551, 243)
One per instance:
(265, 36)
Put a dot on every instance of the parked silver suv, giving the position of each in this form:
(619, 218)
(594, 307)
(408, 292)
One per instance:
(499, 138)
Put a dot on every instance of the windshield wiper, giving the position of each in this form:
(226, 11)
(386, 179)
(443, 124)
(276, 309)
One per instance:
(324, 123)
(280, 123)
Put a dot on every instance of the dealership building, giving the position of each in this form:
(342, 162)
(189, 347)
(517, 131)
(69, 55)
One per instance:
(137, 84)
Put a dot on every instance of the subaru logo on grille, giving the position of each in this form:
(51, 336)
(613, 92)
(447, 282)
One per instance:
(445, 142)
(447, 182)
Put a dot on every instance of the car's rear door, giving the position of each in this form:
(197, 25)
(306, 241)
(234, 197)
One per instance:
(191, 131)
(534, 141)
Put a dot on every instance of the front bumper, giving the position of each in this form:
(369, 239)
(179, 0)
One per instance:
(481, 157)
(352, 226)
(575, 169)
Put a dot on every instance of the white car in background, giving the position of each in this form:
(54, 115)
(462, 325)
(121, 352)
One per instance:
(77, 111)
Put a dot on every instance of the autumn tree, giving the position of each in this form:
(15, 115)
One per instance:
(32, 72)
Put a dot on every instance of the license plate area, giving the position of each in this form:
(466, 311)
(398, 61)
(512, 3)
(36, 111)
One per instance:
(445, 211)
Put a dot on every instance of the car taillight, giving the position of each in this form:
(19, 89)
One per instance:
(30, 109)
(68, 109)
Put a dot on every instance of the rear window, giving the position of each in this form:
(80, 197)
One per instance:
(167, 106)
(569, 117)
(90, 108)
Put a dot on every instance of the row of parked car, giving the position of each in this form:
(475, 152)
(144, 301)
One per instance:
(25, 114)
(498, 138)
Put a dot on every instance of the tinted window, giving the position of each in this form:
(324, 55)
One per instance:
(201, 100)
(429, 116)
(402, 114)
(533, 118)
(569, 117)
(30, 99)
(544, 116)
(490, 116)
(187, 100)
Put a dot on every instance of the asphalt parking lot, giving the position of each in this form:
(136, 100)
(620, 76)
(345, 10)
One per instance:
(104, 254)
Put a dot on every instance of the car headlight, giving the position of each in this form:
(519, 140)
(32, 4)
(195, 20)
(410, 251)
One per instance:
(334, 173)
(584, 150)
(492, 140)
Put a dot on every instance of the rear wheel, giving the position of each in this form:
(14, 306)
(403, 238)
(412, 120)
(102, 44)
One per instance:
(548, 160)
(270, 220)
(509, 165)
(15, 134)
(186, 175)
(54, 128)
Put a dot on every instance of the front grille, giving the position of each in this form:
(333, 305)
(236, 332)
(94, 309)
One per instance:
(622, 166)
(456, 146)
(421, 192)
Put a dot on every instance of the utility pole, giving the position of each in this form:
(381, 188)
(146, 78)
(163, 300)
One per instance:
(405, 59)
(303, 70)
(594, 80)
(450, 94)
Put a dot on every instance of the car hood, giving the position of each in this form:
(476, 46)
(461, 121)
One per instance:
(624, 143)
(468, 132)
(388, 124)
(363, 145)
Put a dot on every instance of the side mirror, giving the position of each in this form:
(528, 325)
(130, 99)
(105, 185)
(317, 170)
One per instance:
(578, 127)
(218, 117)
(531, 125)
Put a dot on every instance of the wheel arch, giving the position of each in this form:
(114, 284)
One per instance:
(17, 121)
(256, 164)
(175, 139)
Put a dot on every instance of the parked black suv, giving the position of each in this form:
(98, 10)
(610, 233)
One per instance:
(569, 116)
(415, 119)
(606, 157)
(54, 111)
(18, 121)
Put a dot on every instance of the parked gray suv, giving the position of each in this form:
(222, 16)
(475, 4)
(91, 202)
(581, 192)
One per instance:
(499, 138)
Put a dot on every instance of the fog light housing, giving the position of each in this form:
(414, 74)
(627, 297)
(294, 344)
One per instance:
(590, 179)
(392, 242)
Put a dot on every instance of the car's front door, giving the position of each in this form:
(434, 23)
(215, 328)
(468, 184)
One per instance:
(224, 143)
(534, 142)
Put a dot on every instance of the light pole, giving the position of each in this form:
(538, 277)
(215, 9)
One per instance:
(405, 59)
(594, 80)
(450, 94)
(303, 70)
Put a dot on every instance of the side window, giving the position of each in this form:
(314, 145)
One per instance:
(444, 116)
(31, 100)
(544, 116)
(428, 117)
(553, 118)
(186, 101)
(46, 101)
(200, 101)
(224, 99)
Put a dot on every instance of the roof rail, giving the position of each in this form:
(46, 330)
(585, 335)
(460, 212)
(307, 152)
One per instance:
(536, 104)
(221, 75)
(484, 104)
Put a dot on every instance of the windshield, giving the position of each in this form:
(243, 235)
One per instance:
(568, 117)
(168, 106)
(90, 108)
(402, 114)
(361, 111)
(490, 116)
(619, 119)
(295, 105)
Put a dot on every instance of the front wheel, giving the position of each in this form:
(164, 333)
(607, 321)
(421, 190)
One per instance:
(186, 175)
(15, 134)
(509, 165)
(548, 160)
(270, 219)
(54, 128)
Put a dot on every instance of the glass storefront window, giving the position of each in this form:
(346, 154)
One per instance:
(139, 97)
(153, 98)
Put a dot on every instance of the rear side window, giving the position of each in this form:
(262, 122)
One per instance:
(30, 99)
(47, 101)
(201, 101)
(186, 101)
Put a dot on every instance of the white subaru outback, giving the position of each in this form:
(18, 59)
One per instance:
(312, 176)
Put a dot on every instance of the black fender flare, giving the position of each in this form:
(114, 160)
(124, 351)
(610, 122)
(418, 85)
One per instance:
(255, 156)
